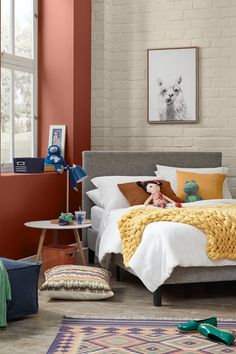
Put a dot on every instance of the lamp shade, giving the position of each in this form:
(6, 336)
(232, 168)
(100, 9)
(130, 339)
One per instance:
(77, 174)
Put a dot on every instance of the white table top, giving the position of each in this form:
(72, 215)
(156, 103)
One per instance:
(46, 224)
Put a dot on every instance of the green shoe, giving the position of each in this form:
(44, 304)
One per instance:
(193, 325)
(215, 334)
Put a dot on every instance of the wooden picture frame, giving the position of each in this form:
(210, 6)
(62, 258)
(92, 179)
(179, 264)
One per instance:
(57, 136)
(172, 85)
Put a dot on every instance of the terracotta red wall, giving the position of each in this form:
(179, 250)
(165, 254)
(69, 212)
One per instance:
(25, 198)
(82, 78)
(65, 73)
(64, 98)
(55, 69)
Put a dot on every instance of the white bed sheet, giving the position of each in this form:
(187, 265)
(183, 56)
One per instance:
(164, 246)
(97, 215)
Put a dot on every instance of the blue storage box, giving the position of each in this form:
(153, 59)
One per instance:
(28, 164)
(23, 277)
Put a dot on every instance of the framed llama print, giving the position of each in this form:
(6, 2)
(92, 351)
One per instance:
(173, 85)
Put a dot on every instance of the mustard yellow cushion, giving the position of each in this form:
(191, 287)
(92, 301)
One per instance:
(210, 185)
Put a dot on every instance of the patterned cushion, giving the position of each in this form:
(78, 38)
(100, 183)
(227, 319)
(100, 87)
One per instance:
(77, 282)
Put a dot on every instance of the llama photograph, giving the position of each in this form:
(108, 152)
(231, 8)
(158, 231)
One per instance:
(172, 85)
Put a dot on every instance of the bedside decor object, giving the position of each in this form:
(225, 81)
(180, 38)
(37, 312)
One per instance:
(173, 85)
(28, 164)
(45, 225)
(74, 282)
(57, 136)
(76, 175)
(55, 159)
(65, 219)
(80, 216)
(56, 254)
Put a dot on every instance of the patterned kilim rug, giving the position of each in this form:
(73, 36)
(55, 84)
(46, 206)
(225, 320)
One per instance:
(122, 336)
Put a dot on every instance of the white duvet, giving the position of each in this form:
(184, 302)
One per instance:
(164, 246)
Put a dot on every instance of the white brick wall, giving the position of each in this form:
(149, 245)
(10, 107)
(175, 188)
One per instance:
(123, 30)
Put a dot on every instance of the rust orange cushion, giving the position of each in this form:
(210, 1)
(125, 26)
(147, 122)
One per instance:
(136, 195)
(210, 185)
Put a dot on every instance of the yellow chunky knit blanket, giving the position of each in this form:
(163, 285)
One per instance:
(217, 222)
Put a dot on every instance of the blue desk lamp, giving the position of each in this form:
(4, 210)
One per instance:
(76, 175)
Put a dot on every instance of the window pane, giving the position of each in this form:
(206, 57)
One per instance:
(5, 26)
(23, 92)
(24, 28)
(5, 115)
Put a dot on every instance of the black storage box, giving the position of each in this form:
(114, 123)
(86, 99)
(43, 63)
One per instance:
(28, 164)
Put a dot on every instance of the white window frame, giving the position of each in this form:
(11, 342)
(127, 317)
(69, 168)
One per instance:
(18, 63)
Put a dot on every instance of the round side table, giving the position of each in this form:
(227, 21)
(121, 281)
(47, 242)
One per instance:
(45, 225)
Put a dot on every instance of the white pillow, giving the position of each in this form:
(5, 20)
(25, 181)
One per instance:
(94, 195)
(169, 174)
(111, 196)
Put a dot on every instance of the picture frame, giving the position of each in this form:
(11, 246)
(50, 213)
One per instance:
(172, 85)
(57, 136)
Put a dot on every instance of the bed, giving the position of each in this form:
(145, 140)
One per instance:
(102, 163)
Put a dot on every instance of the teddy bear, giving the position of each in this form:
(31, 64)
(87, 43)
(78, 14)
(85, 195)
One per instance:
(158, 199)
(191, 188)
(54, 158)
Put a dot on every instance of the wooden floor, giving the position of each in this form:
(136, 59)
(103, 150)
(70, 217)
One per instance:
(33, 335)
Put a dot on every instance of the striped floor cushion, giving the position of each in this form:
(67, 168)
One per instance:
(77, 282)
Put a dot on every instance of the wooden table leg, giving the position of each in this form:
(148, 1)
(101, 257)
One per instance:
(80, 248)
(40, 245)
(55, 237)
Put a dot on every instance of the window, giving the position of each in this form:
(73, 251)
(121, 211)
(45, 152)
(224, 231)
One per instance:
(19, 30)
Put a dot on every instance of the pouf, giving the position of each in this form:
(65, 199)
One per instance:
(23, 277)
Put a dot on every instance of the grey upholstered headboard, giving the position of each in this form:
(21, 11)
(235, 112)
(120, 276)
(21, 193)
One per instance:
(121, 163)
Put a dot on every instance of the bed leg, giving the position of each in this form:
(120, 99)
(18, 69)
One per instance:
(157, 295)
(117, 273)
(91, 256)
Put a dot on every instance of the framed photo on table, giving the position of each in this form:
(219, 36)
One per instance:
(172, 85)
(57, 136)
